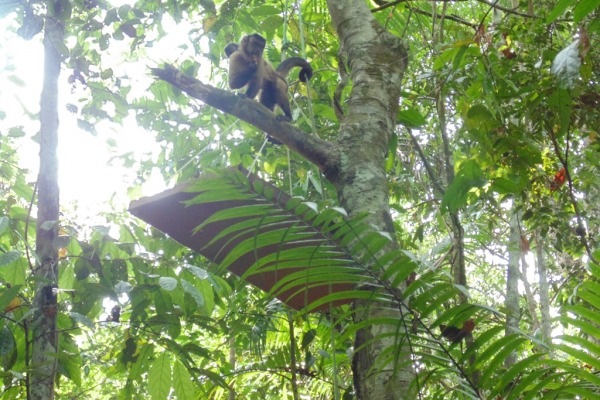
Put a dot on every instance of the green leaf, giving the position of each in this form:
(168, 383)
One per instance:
(82, 319)
(468, 177)
(205, 288)
(192, 291)
(518, 369)
(167, 283)
(159, 377)
(3, 224)
(390, 160)
(589, 356)
(271, 23)
(526, 382)
(584, 8)
(14, 273)
(508, 186)
(70, 360)
(197, 271)
(411, 118)
(143, 361)
(445, 58)
(264, 11)
(9, 257)
(182, 382)
(500, 357)
(8, 348)
(558, 10)
(480, 119)
(566, 65)
(308, 338)
(7, 295)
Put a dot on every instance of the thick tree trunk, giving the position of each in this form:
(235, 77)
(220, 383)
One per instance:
(43, 326)
(531, 303)
(377, 61)
(544, 290)
(511, 301)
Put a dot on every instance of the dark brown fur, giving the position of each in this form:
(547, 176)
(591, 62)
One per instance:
(247, 67)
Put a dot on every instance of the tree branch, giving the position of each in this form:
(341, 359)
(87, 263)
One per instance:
(428, 168)
(316, 150)
(451, 17)
(507, 10)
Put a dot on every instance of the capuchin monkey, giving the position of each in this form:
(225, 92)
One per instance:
(247, 67)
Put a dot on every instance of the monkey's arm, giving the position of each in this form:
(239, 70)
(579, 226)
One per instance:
(240, 71)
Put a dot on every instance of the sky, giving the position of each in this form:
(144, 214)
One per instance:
(90, 181)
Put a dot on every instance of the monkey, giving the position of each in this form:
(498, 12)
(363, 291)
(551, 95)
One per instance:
(247, 67)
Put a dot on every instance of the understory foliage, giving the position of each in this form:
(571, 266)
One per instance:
(498, 122)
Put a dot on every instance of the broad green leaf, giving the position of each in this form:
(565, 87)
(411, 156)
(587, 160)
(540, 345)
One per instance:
(193, 291)
(584, 8)
(83, 320)
(159, 377)
(197, 271)
(67, 277)
(204, 286)
(143, 361)
(469, 176)
(70, 360)
(271, 22)
(8, 348)
(7, 295)
(168, 283)
(9, 257)
(411, 118)
(566, 65)
(480, 119)
(445, 58)
(266, 10)
(3, 224)
(390, 160)
(508, 185)
(182, 382)
(558, 10)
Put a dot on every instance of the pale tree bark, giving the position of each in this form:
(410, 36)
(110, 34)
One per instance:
(531, 303)
(376, 61)
(232, 359)
(511, 301)
(544, 290)
(44, 337)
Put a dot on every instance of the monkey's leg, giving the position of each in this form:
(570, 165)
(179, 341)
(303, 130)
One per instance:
(268, 99)
(267, 96)
(253, 88)
(276, 93)
(281, 97)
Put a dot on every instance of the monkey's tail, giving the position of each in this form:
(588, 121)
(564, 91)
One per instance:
(286, 65)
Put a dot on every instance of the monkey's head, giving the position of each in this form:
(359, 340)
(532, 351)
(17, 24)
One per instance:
(253, 45)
